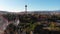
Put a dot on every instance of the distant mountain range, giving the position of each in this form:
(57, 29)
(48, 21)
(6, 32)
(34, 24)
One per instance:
(43, 12)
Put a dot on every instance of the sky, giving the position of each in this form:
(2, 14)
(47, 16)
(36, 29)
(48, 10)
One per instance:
(32, 5)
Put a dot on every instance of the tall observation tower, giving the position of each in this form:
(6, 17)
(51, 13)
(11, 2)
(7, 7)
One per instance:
(26, 8)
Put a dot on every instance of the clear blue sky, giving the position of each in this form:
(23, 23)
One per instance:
(33, 5)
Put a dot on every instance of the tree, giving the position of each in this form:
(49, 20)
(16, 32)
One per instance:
(11, 29)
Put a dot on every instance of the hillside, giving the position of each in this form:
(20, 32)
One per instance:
(34, 21)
